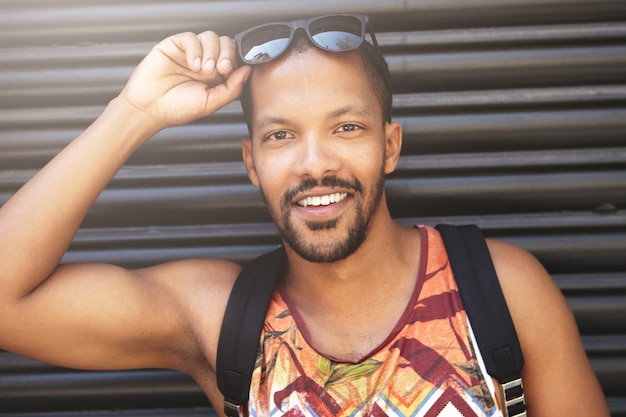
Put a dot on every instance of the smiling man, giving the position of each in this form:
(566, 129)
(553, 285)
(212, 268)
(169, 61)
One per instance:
(366, 319)
(320, 162)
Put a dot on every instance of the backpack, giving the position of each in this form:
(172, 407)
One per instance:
(480, 292)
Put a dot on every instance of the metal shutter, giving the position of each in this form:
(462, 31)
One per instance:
(514, 116)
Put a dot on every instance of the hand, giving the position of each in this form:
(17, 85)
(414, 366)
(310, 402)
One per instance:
(185, 77)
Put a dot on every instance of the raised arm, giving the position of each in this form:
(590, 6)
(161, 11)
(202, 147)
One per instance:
(50, 312)
(558, 379)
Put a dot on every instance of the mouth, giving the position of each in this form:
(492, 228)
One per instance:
(322, 200)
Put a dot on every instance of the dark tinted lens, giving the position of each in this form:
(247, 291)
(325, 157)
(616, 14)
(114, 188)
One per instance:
(265, 43)
(337, 33)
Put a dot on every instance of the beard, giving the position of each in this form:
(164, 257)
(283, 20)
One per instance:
(327, 251)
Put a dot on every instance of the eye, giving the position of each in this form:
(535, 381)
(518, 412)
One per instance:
(279, 135)
(348, 127)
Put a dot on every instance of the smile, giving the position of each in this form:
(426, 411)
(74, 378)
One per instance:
(322, 200)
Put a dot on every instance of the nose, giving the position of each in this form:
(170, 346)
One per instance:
(317, 157)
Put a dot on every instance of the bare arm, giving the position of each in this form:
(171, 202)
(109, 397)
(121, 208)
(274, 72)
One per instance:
(557, 376)
(49, 312)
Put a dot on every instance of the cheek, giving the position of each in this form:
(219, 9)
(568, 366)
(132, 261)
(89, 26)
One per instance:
(367, 161)
(270, 172)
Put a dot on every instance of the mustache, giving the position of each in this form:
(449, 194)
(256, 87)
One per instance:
(329, 181)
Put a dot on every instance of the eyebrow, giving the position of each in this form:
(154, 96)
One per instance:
(270, 120)
(351, 109)
(342, 111)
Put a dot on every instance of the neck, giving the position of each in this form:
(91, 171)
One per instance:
(349, 308)
(385, 264)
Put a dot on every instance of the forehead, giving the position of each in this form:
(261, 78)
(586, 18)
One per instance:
(312, 84)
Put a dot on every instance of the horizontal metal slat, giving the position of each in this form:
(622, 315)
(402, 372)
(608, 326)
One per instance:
(189, 143)
(524, 224)
(62, 87)
(593, 251)
(513, 130)
(600, 315)
(508, 69)
(571, 97)
(592, 283)
(81, 116)
(605, 345)
(482, 194)
(137, 257)
(497, 37)
(29, 385)
(520, 161)
(168, 236)
(73, 391)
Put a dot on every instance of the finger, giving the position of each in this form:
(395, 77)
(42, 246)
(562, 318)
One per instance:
(210, 43)
(228, 56)
(229, 90)
(188, 44)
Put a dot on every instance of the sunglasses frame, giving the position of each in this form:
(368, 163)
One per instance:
(305, 24)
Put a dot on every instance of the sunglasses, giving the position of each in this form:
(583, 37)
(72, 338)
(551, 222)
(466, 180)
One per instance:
(335, 32)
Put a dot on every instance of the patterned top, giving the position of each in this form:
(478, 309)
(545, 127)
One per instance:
(428, 366)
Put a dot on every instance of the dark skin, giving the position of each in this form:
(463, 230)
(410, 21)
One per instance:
(94, 316)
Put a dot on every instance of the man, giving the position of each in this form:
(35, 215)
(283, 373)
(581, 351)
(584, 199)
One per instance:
(321, 141)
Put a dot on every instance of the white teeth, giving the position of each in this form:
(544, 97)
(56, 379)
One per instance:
(323, 200)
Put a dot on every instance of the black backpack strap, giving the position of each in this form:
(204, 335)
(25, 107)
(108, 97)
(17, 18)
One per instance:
(241, 329)
(487, 310)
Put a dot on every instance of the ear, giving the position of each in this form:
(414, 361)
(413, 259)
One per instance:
(246, 153)
(393, 145)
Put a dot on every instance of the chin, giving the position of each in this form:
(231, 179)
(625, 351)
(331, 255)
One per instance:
(324, 245)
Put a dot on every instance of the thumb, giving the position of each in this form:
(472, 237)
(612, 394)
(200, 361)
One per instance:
(228, 91)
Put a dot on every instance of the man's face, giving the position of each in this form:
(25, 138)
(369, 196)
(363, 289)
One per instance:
(319, 151)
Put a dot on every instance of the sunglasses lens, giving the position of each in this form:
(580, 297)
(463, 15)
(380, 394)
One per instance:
(265, 43)
(331, 33)
(337, 33)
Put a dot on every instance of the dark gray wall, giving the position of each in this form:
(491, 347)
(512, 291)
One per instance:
(514, 116)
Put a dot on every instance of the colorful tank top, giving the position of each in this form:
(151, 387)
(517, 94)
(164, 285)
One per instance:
(428, 366)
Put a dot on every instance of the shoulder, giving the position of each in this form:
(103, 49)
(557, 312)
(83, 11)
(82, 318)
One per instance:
(535, 302)
(519, 272)
(556, 367)
(530, 292)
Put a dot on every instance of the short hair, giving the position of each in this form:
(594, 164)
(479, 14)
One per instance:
(373, 62)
